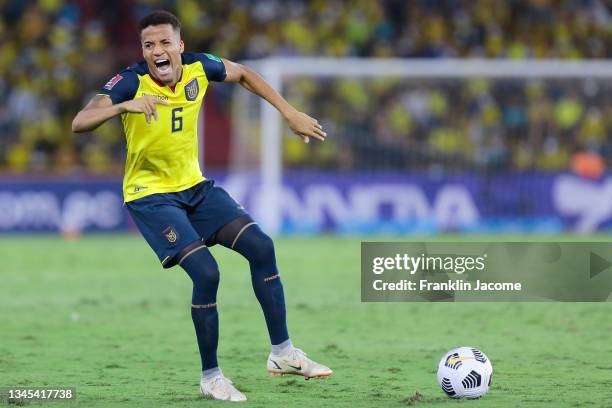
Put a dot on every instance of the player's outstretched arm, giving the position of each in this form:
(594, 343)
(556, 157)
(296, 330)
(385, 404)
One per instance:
(101, 108)
(300, 123)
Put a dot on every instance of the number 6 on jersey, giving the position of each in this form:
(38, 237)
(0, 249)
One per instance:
(177, 121)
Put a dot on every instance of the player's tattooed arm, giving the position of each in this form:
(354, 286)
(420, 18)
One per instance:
(100, 109)
(300, 123)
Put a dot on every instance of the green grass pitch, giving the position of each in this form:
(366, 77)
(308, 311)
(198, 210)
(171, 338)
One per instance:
(101, 315)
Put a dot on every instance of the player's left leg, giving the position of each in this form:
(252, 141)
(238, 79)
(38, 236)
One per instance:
(220, 219)
(244, 236)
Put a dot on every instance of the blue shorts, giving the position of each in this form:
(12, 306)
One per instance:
(171, 221)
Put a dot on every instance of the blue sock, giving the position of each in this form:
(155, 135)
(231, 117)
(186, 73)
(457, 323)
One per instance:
(258, 249)
(203, 271)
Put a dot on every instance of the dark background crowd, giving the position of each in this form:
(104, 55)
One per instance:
(54, 54)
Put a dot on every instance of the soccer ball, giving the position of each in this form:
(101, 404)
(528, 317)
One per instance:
(465, 372)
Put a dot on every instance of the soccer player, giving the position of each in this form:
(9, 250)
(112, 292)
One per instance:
(177, 210)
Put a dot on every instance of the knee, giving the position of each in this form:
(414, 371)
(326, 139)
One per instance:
(201, 267)
(208, 276)
(264, 251)
(205, 285)
(204, 277)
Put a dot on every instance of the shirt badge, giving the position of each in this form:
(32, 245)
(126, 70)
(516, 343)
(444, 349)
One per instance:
(191, 90)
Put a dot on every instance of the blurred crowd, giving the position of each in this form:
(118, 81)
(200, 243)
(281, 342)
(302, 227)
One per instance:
(481, 124)
(55, 53)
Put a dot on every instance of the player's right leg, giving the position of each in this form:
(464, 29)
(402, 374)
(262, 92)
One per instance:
(162, 220)
(202, 268)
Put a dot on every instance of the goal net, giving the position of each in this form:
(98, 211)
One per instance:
(427, 146)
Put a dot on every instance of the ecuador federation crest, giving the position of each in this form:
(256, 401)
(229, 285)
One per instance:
(170, 234)
(192, 89)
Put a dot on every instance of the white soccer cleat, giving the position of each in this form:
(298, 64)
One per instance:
(221, 388)
(296, 363)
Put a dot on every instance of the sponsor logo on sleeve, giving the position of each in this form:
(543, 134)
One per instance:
(213, 57)
(112, 82)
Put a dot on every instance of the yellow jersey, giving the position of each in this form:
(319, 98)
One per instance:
(162, 156)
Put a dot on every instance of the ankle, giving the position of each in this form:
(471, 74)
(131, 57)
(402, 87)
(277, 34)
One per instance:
(283, 348)
(211, 373)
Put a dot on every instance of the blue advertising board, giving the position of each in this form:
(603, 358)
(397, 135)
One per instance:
(355, 203)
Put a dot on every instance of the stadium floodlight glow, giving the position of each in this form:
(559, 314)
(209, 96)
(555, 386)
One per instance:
(278, 71)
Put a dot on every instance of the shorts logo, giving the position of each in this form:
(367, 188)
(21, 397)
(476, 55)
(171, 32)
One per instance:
(170, 234)
(112, 82)
(191, 90)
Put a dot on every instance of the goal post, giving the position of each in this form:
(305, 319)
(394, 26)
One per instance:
(254, 118)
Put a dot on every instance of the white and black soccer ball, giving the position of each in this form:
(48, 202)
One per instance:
(465, 372)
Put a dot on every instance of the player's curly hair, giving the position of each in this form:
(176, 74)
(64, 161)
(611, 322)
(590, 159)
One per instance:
(159, 17)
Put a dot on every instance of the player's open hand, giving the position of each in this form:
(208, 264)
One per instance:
(306, 127)
(145, 104)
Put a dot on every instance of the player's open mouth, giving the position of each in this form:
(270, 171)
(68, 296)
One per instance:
(163, 65)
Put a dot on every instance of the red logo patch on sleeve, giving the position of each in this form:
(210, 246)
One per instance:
(112, 82)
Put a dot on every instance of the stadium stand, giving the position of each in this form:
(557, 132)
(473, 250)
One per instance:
(52, 49)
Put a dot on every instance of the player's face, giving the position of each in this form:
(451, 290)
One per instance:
(161, 48)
